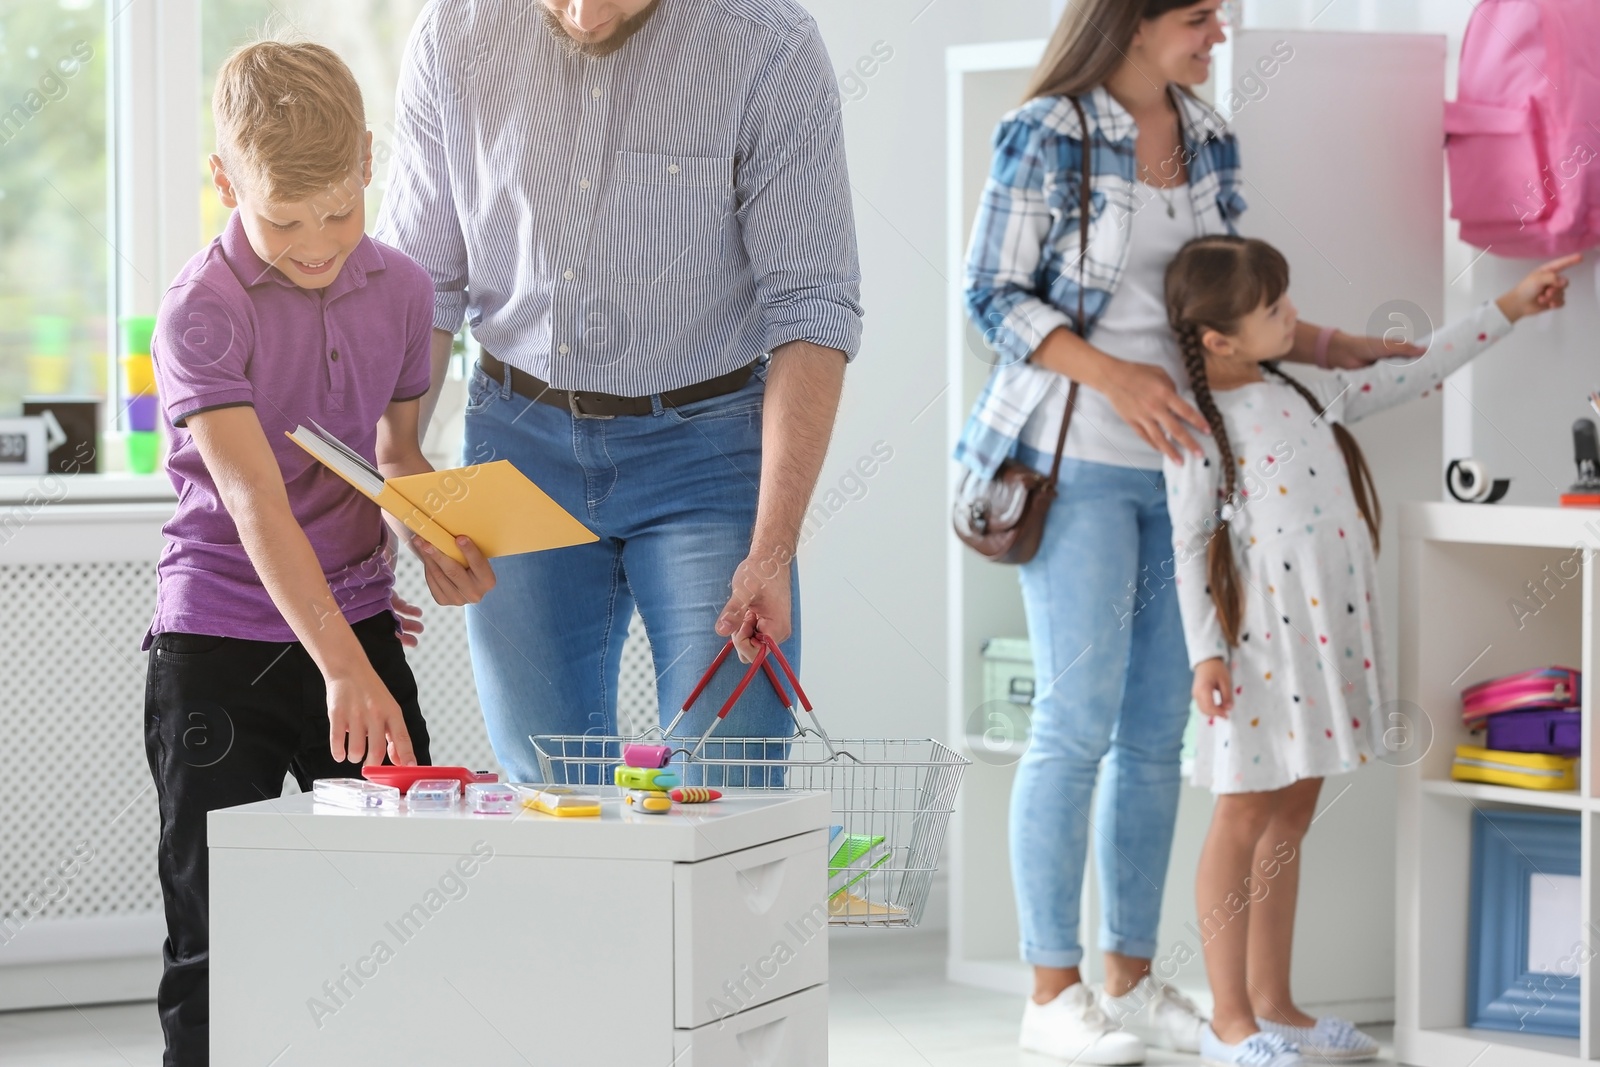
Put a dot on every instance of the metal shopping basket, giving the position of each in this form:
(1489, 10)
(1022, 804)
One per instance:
(893, 797)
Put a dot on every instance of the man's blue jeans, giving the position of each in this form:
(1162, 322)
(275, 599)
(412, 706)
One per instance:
(1111, 699)
(672, 496)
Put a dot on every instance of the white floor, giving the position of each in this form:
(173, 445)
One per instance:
(890, 1007)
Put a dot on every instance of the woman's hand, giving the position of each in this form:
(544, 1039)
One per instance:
(1543, 289)
(449, 581)
(1213, 688)
(1349, 352)
(1147, 400)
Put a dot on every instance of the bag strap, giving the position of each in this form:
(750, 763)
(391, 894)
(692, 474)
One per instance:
(1087, 154)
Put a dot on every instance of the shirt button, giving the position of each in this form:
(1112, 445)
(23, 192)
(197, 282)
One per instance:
(563, 349)
(672, 168)
(595, 93)
(583, 183)
(334, 355)
(567, 274)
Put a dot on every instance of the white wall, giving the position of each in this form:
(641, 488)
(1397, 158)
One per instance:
(872, 574)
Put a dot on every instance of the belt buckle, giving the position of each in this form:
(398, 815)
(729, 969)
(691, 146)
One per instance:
(572, 406)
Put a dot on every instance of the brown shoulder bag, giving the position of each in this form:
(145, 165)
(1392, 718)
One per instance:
(1002, 518)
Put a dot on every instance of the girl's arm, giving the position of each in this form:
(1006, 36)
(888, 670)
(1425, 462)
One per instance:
(1193, 505)
(1387, 384)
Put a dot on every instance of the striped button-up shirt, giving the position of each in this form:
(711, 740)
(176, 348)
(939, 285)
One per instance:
(634, 222)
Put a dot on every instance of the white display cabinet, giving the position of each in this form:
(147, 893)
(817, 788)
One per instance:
(1464, 568)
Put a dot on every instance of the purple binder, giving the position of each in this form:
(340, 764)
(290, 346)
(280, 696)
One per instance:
(1553, 730)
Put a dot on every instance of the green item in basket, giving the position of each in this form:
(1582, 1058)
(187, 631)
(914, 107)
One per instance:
(136, 331)
(144, 446)
(857, 856)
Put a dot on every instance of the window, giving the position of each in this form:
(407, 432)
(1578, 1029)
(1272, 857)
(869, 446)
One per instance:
(55, 231)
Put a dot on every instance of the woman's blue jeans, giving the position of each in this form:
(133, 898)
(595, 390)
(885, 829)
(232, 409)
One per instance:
(1111, 701)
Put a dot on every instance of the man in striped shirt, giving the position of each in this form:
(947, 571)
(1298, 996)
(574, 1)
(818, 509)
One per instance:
(643, 210)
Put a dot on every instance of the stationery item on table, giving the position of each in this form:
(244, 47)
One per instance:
(695, 794)
(405, 777)
(482, 776)
(1524, 770)
(492, 503)
(1585, 492)
(1541, 687)
(649, 801)
(562, 801)
(645, 778)
(355, 793)
(834, 831)
(649, 756)
(1558, 731)
(857, 856)
(491, 798)
(433, 794)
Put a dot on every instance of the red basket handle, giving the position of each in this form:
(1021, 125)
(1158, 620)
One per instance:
(767, 647)
(788, 671)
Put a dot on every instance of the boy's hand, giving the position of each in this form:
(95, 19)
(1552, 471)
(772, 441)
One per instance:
(1213, 688)
(450, 582)
(364, 722)
(407, 619)
(1544, 288)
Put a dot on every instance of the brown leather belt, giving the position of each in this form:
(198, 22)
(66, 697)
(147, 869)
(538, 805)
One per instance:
(589, 405)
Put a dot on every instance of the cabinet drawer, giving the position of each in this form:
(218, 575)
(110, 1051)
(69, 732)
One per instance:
(790, 1032)
(748, 927)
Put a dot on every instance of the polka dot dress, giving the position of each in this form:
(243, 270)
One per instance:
(1307, 673)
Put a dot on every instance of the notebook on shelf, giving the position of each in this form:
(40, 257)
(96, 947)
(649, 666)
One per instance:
(492, 503)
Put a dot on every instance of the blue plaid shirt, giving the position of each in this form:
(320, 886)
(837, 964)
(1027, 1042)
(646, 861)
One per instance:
(1023, 266)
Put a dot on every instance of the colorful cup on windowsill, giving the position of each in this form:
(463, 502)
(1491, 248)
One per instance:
(140, 374)
(136, 333)
(142, 412)
(144, 450)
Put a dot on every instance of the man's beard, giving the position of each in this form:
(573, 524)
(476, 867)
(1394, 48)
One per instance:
(574, 47)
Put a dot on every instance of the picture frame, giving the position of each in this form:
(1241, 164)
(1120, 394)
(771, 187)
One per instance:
(1517, 856)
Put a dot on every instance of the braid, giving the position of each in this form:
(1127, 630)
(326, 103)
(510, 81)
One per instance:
(1361, 483)
(1221, 569)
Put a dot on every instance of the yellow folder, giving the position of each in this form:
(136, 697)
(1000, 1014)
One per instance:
(493, 503)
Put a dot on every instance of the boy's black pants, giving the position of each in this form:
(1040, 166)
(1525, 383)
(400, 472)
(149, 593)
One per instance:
(224, 720)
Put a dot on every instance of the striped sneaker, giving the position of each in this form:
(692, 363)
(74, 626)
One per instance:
(1331, 1040)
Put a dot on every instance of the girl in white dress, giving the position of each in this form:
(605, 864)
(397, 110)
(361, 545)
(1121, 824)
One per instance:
(1275, 530)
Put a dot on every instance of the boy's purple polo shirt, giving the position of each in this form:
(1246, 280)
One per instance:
(233, 331)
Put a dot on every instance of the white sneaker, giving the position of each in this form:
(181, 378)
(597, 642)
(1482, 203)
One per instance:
(1258, 1050)
(1331, 1040)
(1156, 1014)
(1073, 1027)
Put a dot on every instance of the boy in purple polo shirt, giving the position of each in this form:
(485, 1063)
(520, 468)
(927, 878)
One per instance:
(273, 647)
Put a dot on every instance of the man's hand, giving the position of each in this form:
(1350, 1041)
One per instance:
(449, 581)
(1213, 688)
(407, 619)
(364, 722)
(760, 602)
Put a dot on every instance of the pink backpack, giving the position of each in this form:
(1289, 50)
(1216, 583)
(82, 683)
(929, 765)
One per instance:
(1523, 135)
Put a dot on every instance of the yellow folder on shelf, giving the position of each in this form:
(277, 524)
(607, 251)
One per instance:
(493, 503)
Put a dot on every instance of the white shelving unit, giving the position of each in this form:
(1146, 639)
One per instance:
(1462, 567)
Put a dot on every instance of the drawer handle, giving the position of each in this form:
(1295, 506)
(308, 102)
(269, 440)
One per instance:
(762, 884)
(762, 1044)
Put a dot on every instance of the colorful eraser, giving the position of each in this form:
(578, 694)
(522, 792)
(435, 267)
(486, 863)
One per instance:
(644, 778)
(695, 794)
(650, 801)
(649, 756)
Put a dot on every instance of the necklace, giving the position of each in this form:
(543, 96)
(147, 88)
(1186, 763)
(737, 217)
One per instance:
(1166, 195)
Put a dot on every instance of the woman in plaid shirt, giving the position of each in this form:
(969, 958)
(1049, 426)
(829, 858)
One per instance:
(1103, 619)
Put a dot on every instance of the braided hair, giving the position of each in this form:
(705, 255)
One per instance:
(1213, 283)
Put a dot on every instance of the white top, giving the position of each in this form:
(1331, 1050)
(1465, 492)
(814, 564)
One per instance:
(1308, 672)
(1134, 327)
